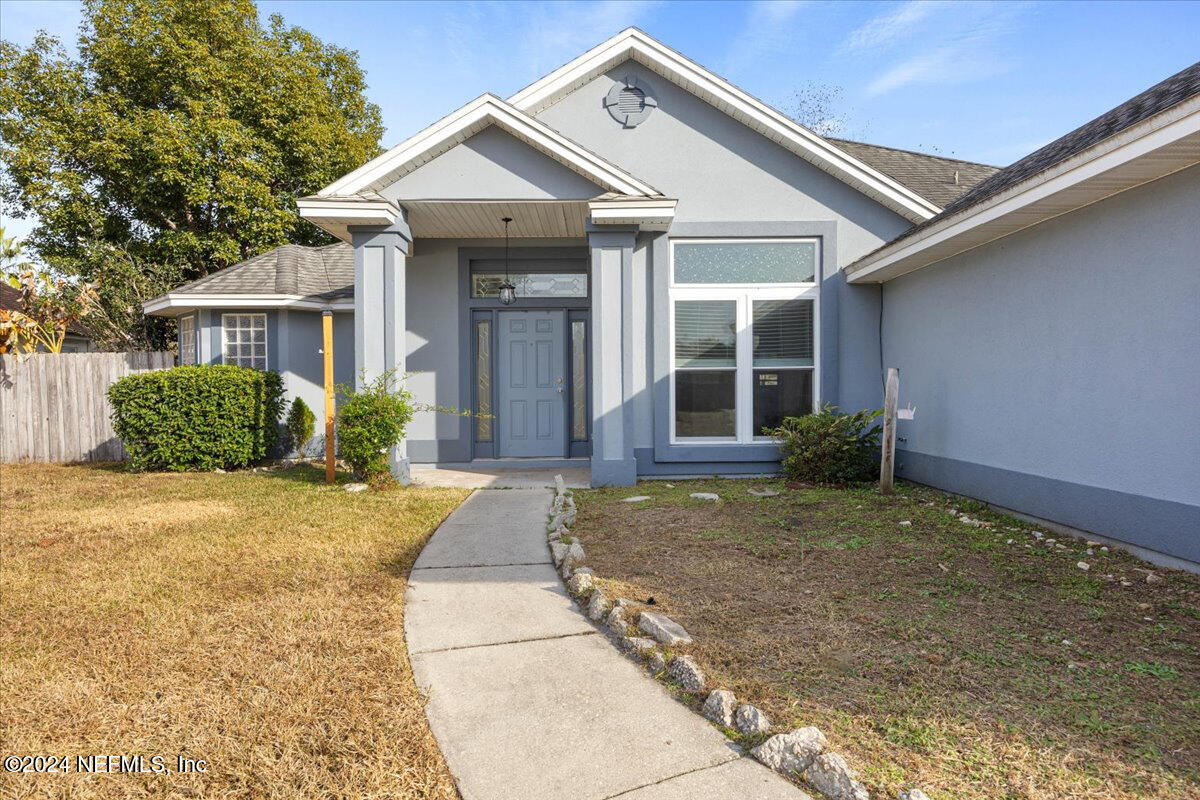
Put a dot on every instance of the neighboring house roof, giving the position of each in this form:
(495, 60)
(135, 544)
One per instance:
(634, 44)
(1143, 139)
(10, 300)
(935, 178)
(288, 276)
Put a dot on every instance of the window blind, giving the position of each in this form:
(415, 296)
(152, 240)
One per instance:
(706, 333)
(783, 333)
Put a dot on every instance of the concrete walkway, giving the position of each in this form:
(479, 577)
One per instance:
(527, 699)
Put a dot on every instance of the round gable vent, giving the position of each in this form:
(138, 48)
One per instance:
(630, 102)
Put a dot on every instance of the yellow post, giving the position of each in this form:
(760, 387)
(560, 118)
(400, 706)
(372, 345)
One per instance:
(327, 349)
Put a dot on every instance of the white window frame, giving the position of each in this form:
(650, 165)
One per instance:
(225, 327)
(193, 343)
(744, 294)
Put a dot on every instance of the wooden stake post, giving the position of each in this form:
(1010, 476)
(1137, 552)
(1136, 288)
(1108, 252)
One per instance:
(887, 460)
(327, 350)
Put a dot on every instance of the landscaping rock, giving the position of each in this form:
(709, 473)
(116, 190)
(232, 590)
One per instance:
(704, 496)
(831, 775)
(906, 523)
(1083, 565)
(763, 493)
(1153, 577)
(719, 707)
(616, 622)
(750, 720)
(565, 572)
(637, 645)
(558, 551)
(556, 505)
(657, 662)
(791, 752)
(569, 511)
(555, 522)
(598, 606)
(912, 794)
(663, 628)
(574, 554)
(580, 582)
(559, 533)
(636, 498)
(560, 486)
(350, 487)
(622, 602)
(687, 673)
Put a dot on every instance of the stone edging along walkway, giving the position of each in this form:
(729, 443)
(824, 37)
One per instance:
(660, 643)
(526, 697)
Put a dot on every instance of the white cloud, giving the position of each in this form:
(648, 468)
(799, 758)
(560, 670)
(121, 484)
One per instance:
(887, 28)
(767, 32)
(966, 44)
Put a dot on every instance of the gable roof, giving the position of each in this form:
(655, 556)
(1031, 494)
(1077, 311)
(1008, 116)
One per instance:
(634, 44)
(460, 125)
(936, 178)
(1145, 138)
(291, 275)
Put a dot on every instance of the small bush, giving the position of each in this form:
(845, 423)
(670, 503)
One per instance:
(370, 423)
(197, 418)
(829, 447)
(299, 426)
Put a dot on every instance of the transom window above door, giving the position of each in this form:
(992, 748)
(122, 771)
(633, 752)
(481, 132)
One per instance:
(531, 284)
(743, 336)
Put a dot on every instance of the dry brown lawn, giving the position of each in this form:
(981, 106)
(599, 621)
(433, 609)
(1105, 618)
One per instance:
(254, 621)
(934, 654)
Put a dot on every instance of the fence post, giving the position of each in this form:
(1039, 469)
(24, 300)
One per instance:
(887, 459)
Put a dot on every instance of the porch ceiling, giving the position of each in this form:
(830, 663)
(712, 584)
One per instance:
(479, 219)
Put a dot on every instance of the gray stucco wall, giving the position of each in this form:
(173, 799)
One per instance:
(293, 345)
(1056, 371)
(722, 174)
(492, 164)
(715, 166)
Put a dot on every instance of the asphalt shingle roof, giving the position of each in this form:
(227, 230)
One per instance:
(319, 273)
(1162, 96)
(936, 178)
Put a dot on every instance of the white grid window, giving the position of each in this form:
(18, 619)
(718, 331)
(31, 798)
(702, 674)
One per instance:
(744, 338)
(244, 340)
(187, 340)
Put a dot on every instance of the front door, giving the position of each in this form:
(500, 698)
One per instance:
(531, 367)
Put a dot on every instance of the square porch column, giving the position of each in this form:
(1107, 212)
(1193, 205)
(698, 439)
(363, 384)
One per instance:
(379, 319)
(613, 463)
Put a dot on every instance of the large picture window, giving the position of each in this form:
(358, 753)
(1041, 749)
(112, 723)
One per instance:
(244, 340)
(743, 336)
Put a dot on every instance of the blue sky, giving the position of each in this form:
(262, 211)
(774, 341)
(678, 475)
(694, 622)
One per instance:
(981, 81)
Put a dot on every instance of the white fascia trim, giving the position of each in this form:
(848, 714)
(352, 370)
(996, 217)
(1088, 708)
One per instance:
(342, 209)
(476, 115)
(650, 214)
(1132, 143)
(633, 43)
(182, 300)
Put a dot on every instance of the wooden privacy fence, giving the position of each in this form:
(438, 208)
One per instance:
(54, 407)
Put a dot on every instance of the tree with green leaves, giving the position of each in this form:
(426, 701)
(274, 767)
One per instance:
(175, 144)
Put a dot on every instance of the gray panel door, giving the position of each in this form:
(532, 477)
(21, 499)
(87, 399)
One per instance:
(531, 368)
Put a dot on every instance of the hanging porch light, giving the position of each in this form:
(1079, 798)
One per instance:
(508, 292)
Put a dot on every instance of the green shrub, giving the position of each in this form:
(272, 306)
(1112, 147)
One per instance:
(197, 418)
(829, 447)
(299, 426)
(370, 423)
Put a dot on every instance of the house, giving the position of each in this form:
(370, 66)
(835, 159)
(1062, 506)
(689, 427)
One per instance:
(77, 339)
(689, 266)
